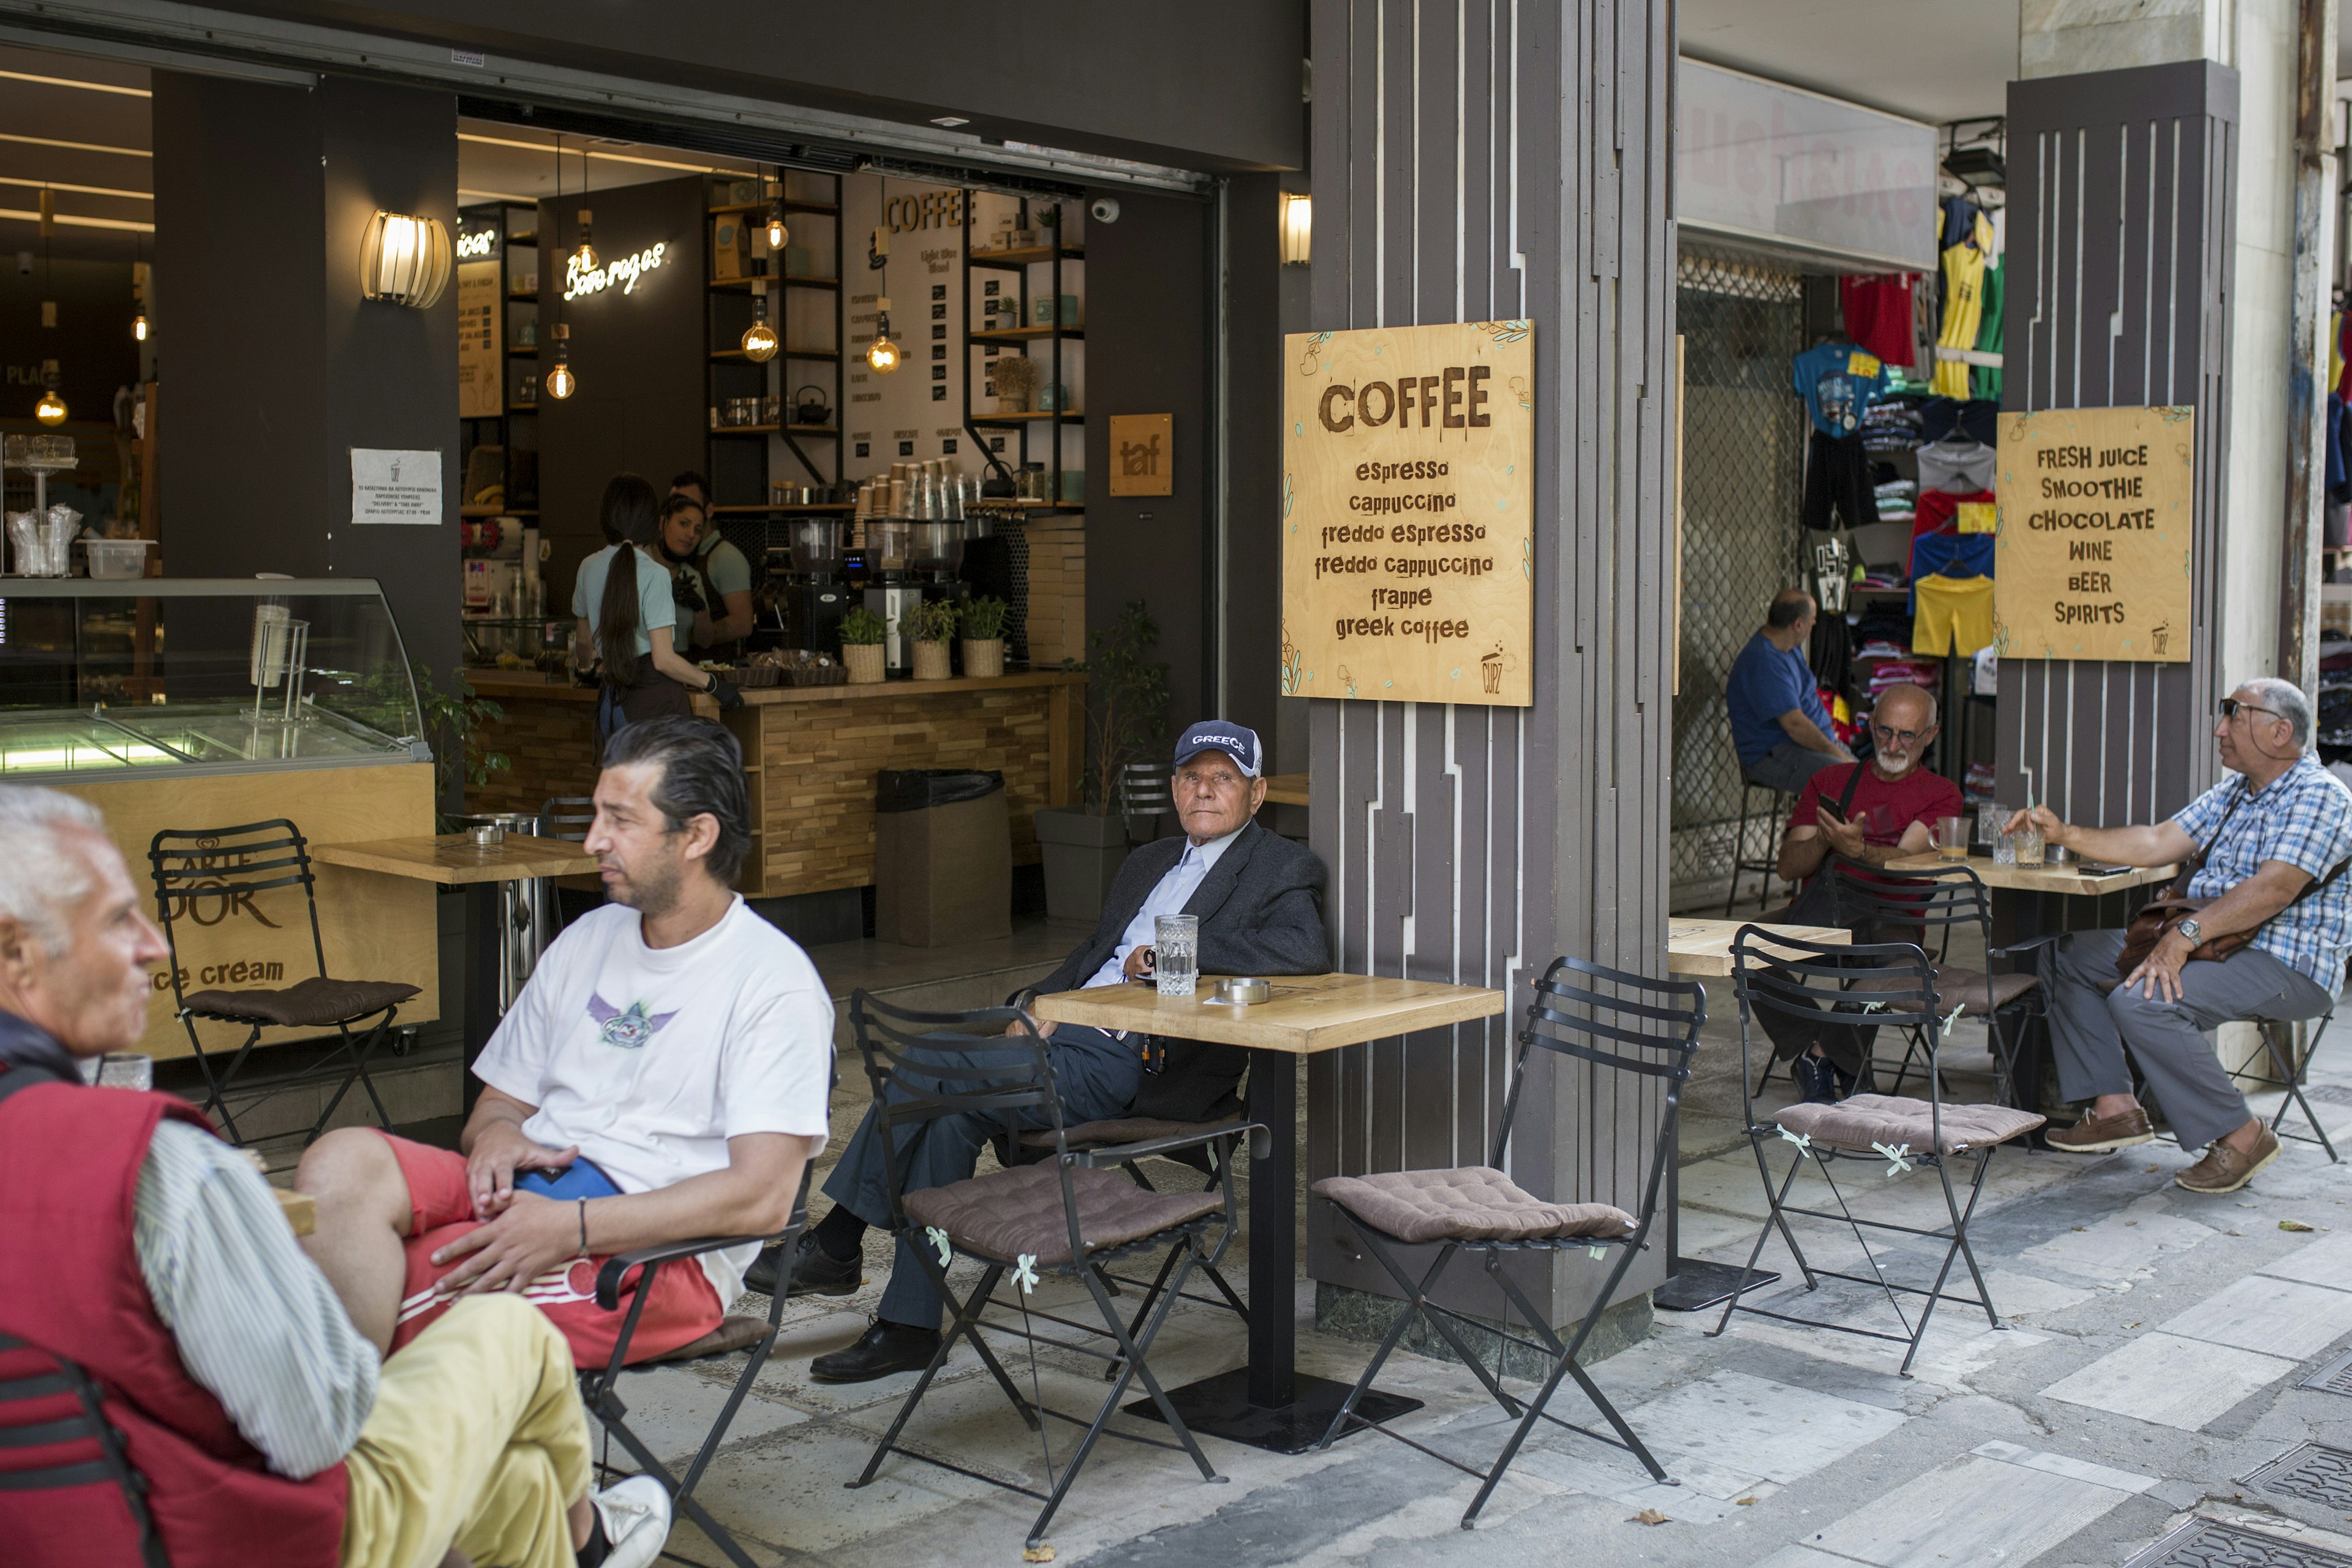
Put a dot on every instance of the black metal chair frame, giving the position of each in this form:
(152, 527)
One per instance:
(2283, 1073)
(200, 857)
(1766, 866)
(1792, 976)
(1007, 1069)
(89, 1424)
(1569, 983)
(599, 1389)
(1870, 898)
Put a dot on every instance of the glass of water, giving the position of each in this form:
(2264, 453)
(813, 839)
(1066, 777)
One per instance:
(1176, 953)
(126, 1070)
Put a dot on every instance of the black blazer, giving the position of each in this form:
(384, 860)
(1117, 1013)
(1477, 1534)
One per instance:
(1261, 913)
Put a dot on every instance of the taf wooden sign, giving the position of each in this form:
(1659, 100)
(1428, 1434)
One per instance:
(2092, 555)
(1408, 524)
(1142, 454)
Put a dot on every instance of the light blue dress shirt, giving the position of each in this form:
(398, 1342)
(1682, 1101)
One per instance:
(1168, 898)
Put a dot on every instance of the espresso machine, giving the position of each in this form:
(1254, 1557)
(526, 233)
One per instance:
(813, 598)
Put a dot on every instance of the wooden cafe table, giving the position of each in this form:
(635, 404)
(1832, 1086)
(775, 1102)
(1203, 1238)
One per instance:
(509, 939)
(1267, 1405)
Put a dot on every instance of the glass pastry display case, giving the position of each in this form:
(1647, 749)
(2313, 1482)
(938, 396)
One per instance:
(159, 676)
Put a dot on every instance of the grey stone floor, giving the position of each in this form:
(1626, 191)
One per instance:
(2153, 1348)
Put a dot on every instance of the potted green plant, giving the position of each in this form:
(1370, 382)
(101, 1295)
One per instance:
(983, 638)
(861, 645)
(1126, 692)
(935, 622)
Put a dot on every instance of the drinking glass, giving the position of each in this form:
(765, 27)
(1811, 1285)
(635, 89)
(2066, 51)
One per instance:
(1176, 953)
(1989, 817)
(1951, 838)
(126, 1070)
(2027, 843)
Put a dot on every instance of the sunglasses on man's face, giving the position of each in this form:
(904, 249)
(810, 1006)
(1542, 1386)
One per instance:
(2232, 708)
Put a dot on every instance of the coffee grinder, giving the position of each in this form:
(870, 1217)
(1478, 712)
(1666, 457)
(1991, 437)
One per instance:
(893, 591)
(814, 598)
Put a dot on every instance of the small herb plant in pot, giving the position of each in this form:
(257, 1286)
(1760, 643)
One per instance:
(861, 645)
(935, 622)
(983, 636)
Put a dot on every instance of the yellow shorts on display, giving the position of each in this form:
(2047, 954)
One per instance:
(1955, 615)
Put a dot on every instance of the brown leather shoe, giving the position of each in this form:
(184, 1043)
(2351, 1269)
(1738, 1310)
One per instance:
(2098, 1134)
(2224, 1170)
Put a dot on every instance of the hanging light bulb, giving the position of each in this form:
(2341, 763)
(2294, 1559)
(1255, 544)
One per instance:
(138, 295)
(884, 353)
(560, 382)
(51, 408)
(584, 260)
(759, 343)
(139, 327)
(778, 234)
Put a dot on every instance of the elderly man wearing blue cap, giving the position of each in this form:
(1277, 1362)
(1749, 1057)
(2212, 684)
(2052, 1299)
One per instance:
(1259, 900)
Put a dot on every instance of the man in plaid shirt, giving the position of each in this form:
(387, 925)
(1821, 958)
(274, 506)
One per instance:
(2274, 835)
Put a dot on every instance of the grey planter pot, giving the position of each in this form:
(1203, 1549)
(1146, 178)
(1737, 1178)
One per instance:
(1083, 852)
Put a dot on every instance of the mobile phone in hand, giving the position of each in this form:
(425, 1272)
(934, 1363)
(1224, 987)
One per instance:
(1829, 808)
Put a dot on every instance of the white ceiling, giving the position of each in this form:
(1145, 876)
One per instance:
(1936, 60)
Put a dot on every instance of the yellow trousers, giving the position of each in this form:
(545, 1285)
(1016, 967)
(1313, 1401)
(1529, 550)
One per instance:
(478, 1440)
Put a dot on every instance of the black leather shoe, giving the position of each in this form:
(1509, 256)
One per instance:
(881, 1350)
(816, 1272)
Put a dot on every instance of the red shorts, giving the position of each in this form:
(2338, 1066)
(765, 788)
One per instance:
(682, 1309)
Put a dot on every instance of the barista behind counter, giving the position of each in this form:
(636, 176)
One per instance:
(628, 623)
(726, 615)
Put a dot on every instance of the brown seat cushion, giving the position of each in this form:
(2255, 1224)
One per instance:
(1006, 1214)
(1861, 1121)
(1956, 984)
(306, 1004)
(1472, 1203)
(1118, 1130)
(733, 1334)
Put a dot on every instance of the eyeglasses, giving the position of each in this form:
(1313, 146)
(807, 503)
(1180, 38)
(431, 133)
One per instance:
(1887, 736)
(2232, 708)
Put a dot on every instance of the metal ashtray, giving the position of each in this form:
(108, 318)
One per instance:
(1241, 993)
(489, 836)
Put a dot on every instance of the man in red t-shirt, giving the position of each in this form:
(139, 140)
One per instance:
(1890, 812)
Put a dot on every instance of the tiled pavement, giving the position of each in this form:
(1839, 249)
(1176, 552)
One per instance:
(2155, 1346)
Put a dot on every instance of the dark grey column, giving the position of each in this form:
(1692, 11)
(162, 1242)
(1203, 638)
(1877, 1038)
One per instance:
(272, 366)
(2120, 228)
(1475, 163)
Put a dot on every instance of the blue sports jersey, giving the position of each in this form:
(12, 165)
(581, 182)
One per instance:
(1839, 383)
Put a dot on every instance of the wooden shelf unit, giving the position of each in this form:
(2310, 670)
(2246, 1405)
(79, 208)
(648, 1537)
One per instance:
(729, 373)
(1055, 336)
(501, 429)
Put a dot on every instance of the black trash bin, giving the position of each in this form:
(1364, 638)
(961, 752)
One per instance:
(942, 856)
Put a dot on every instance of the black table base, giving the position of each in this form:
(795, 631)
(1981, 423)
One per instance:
(1220, 1407)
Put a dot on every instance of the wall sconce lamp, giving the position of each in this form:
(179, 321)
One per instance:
(405, 260)
(1297, 227)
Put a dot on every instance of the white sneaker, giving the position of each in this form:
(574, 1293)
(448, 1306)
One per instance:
(636, 1520)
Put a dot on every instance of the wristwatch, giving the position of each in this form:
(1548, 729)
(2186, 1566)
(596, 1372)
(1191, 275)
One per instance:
(2193, 931)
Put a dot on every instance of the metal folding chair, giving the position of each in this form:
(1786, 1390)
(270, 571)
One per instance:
(1882, 903)
(1896, 989)
(1635, 1038)
(230, 867)
(1072, 1214)
(599, 1389)
(48, 1403)
(2285, 1073)
(1145, 795)
(564, 816)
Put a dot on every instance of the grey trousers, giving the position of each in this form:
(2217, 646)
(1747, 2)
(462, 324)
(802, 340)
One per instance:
(1098, 1076)
(2091, 1028)
(1787, 767)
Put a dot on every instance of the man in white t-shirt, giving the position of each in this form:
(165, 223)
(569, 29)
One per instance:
(663, 1076)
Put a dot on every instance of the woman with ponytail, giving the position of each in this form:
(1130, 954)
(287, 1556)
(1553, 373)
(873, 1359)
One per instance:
(628, 619)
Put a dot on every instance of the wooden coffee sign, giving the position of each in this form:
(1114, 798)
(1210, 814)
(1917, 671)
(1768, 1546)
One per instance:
(1407, 528)
(2091, 559)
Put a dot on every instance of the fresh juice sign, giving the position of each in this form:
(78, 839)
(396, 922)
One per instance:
(1407, 517)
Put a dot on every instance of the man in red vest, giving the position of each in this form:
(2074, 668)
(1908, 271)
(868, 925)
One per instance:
(147, 1263)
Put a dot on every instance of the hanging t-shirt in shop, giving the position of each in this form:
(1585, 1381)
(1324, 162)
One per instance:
(1877, 312)
(1839, 382)
(1956, 464)
(1941, 511)
(1975, 419)
(1984, 380)
(1949, 555)
(1964, 268)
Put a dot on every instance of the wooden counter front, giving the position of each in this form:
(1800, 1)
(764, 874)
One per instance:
(810, 754)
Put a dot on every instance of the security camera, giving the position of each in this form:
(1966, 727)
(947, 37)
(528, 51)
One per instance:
(1103, 209)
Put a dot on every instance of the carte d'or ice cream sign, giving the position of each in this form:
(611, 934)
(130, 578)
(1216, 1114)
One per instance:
(1408, 547)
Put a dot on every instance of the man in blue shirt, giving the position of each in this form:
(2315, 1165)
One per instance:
(1778, 722)
(2272, 836)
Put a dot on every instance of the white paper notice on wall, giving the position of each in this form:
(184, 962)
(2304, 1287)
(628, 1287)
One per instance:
(395, 487)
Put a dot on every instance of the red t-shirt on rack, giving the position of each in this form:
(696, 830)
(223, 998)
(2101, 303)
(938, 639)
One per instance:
(1885, 809)
(1877, 312)
(1939, 512)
